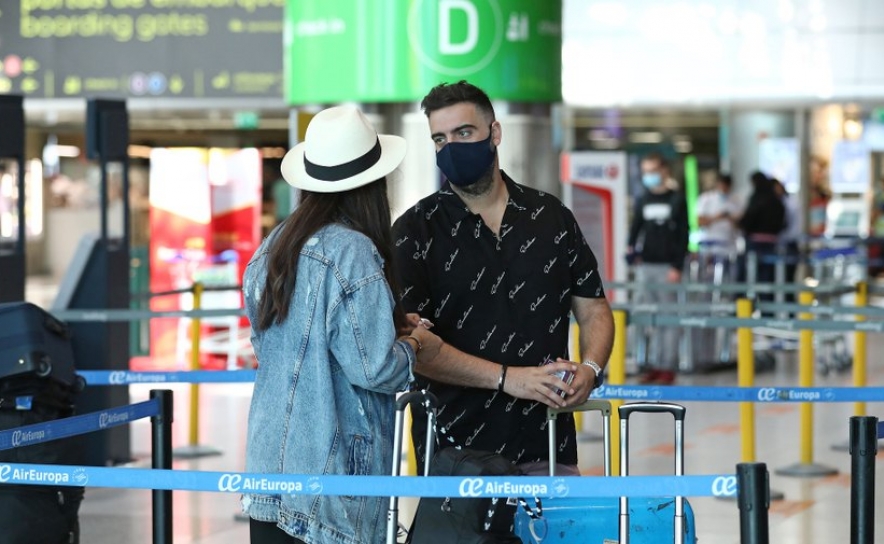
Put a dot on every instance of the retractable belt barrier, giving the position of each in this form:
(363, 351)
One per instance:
(753, 501)
(631, 392)
(75, 425)
(237, 482)
(717, 485)
(106, 316)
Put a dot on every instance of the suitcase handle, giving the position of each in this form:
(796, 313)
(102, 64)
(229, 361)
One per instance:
(431, 402)
(56, 326)
(602, 406)
(677, 410)
(424, 396)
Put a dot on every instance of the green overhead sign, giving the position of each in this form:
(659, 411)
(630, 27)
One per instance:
(396, 50)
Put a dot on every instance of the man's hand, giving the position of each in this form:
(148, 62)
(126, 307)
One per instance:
(674, 276)
(414, 320)
(539, 383)
(583, 384)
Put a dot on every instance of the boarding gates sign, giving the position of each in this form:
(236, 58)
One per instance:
(395, 51)
(141, 48)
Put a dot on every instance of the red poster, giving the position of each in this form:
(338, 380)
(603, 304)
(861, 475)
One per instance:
(204, 226)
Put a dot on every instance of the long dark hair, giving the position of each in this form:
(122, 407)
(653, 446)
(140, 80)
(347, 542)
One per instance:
(365, 209)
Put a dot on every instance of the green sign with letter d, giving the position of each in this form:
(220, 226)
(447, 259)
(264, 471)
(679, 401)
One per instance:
(396, 50)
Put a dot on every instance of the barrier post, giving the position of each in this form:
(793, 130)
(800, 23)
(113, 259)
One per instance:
(575, 356)
(195, 333)
(806, 467)
(193, 449)
(617, 376)
(859, 357)
(753, 496)
(863, 449)
(745, 377)
(859, 349)
(161, 458)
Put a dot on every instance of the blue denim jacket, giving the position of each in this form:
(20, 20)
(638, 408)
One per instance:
(324, 395)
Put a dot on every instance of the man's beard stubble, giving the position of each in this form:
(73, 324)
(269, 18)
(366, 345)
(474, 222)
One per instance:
(481, 187)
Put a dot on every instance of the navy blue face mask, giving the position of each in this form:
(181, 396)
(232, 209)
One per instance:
(464, 163)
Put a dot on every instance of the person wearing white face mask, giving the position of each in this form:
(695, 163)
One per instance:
(658, 244)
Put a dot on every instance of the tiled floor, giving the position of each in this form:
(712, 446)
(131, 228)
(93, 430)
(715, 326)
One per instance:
(814, 510)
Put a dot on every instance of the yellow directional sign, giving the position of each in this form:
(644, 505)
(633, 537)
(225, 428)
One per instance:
(29, 85)
(176, 84)
(5, 85)
(235, 25)
(29, 65)
(221, 81)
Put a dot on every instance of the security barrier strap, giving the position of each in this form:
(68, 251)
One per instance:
(75, 425)
(718, 485)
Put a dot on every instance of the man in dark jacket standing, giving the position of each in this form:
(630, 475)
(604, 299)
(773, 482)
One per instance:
(658, 244)
(762, 222)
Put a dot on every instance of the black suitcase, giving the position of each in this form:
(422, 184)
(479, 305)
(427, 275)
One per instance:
(453, 521)
(30, 513)
(33, 342)
(38, 383)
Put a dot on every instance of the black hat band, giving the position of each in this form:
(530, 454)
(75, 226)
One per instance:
(346, 170)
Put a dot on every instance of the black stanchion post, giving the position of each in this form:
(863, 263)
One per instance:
(863, 448)
(753, 496)
(161, 458)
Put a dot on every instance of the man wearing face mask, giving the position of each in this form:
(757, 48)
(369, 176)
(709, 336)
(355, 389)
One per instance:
(498, 267)
(658, 244)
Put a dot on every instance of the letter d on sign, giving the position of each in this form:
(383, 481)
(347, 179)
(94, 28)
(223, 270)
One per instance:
(446, 45)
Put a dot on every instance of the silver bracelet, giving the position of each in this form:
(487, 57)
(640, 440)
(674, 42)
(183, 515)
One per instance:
(593, 365)
(599, 376)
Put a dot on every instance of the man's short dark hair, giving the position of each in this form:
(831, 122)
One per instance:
(726, 179)
(654, 156)
(448, 94)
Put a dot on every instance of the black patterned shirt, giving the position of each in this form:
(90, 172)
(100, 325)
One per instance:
(504, 298)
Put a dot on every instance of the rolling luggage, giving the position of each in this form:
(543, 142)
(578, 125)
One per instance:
(453, 521)
(38, 383)
(430, 402)
(604, 520)
(33, 342)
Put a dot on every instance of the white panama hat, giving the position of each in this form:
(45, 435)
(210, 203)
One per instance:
(341, 151)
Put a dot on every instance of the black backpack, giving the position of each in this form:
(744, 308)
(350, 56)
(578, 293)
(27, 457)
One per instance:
(478, 520)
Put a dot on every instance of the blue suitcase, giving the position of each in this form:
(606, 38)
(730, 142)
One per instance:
(604, 520)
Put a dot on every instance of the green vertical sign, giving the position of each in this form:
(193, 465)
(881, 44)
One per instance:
(396, 50)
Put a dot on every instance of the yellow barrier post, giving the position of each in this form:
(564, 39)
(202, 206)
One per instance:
(806, 467)
(745, 378)
(617, 376)
(193, 449)
(195, 334)
(575, 356)
(859, 349)
(582, 436)
(410, 456)
(860, 355)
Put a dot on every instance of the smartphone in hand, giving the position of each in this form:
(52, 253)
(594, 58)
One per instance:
(565, 375)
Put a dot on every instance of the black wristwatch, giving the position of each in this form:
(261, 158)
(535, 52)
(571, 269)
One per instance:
(599, 373)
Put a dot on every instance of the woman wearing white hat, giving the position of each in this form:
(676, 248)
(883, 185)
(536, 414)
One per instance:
(324, 321)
